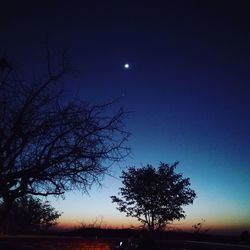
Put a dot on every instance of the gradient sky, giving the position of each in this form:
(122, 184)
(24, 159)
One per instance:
(188, 88)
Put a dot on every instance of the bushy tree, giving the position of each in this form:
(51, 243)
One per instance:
(155, 196)
(49, 143)
(29, 214)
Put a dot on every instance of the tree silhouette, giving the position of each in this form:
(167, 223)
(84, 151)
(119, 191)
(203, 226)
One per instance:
(50, 144)
(154, 196)
(199, 227)
(30, 214)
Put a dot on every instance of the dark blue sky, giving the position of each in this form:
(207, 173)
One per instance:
(188, 86)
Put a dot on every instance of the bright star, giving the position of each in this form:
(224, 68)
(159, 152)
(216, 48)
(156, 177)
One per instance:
(126, 65)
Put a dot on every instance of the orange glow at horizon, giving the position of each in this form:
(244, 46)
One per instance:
(115, 223)
(214, 226)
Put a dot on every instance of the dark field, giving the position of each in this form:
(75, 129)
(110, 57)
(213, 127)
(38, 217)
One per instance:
(79, 243)
(53, 243)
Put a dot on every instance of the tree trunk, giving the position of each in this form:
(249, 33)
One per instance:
(5, 209)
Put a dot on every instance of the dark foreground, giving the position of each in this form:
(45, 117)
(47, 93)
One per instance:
(80, 243)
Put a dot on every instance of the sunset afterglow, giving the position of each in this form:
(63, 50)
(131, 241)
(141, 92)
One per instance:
(181, 74)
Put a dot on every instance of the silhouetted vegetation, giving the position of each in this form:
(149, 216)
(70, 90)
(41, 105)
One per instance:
(154, 196)
(50, 144)
(245, 237)
(29, 214)
(199, 227)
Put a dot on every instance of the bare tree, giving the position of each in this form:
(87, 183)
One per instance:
(49, 145)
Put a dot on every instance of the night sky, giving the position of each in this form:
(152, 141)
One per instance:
(187, 90)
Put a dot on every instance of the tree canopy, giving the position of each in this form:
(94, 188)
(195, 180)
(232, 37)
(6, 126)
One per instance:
(155, 196)
(50, 143)
(29, 214)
